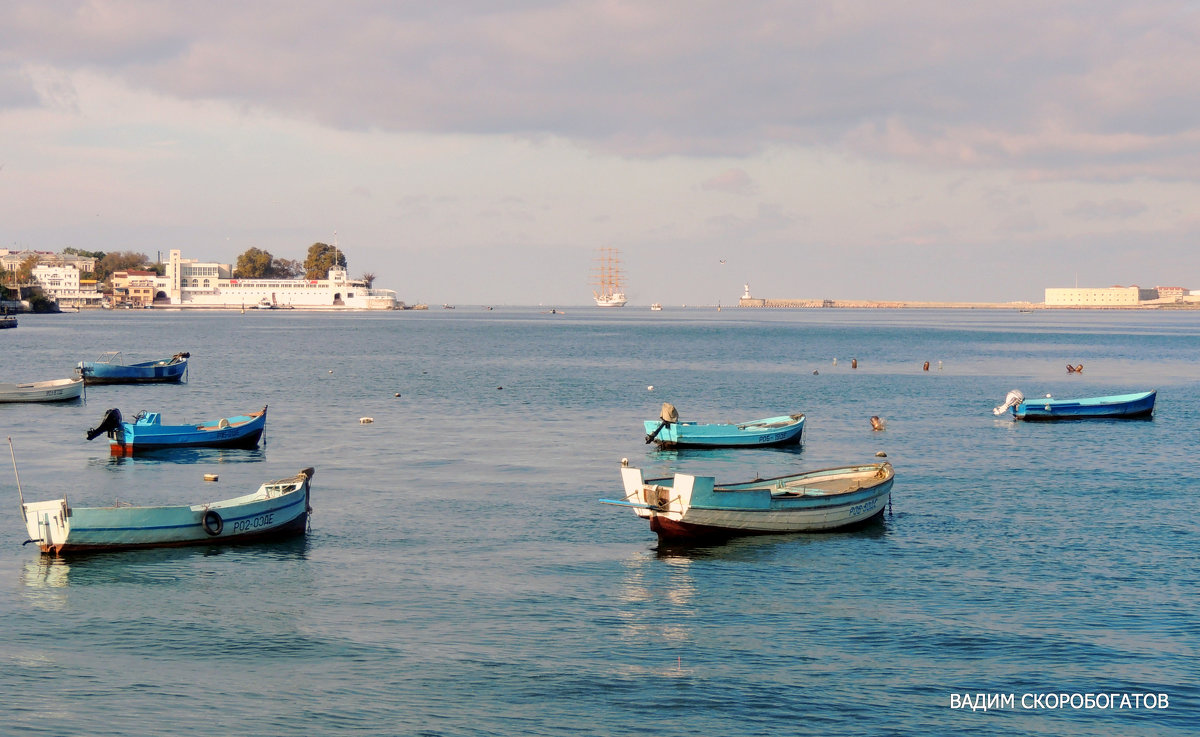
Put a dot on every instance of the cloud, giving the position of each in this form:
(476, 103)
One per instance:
(733, 181)
(964, 84)
(1115, 209)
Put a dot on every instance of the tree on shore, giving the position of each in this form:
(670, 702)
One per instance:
(321, 258)
(25, 269)
(121, 261)
(256, 263)
(368, 278)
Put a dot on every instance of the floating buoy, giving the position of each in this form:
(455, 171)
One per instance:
(650, 388)
(815, 372)
(210, 477)
(835, 362)
(499, 387)
(397, 394)
(880, 454)
(365, 420)
(331, 371)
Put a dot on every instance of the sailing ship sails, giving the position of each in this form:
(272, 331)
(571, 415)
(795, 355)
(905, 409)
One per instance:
(610, 290)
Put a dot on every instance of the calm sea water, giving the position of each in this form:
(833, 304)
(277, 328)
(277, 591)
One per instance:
(461, 577)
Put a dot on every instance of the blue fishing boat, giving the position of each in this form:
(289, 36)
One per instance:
(109, 369)
(147, 432)
(277, 509)
(1131, 406)
(688, 507)
(669, 432)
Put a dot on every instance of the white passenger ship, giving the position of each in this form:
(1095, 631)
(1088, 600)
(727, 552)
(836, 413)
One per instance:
(191, 284)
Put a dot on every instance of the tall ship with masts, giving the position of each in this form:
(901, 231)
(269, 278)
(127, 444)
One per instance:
(610, 285)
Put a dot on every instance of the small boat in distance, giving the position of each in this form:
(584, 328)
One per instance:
(8, 321)
(278, 509)
(610, 285)
(55, 390)
(109, 369)
(668, 432)
(655, 307)
(1122, 406)
(147, 432)
(688, 508)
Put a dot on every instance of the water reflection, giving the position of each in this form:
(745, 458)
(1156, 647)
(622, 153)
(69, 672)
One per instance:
(44, 579)
(186, 455)
(758, 547)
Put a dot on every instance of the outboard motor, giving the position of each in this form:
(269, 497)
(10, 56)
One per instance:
(1014, 398)
(110, 423)
(667, 415)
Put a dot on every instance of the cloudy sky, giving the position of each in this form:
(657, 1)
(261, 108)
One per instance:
(480, 152)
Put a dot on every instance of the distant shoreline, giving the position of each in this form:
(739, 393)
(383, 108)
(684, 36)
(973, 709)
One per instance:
(906, 305)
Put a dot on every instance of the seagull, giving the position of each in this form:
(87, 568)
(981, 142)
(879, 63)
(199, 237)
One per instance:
(722, 261)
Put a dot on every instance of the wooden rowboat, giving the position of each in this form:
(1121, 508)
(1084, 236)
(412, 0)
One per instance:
(147, 432)
(688, 507)
(55, 390)
(109, 369)
(277, 509)
(1125, 406)
(669, 432)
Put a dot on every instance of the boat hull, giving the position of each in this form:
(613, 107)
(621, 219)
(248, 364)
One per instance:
(278, 509)
(689, 508)
(243, 431)
(56, 390)
(169, 370)
(1123, 406)
(771, 431)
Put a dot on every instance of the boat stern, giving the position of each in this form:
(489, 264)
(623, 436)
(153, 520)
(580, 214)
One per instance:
(48, 523)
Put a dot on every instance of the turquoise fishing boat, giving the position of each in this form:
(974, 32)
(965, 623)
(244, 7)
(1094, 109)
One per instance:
(147, 432)
(277, 509)
(109, 369)
(687, 507)
(1121, 406)
(668, 432)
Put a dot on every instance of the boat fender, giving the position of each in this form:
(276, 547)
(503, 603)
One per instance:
(213, 524)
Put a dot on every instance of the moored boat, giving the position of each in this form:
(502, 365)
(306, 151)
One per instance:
(147, 432)
(55, 390)
(688, 507)
(1120, 406)
(110, 369)
(8, 321)
(277, 509)
(669, 432)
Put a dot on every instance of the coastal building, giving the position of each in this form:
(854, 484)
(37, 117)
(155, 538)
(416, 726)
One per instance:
(1115, 296)
(62, 283)
(190, 283)
(12, 260)
(135, 288)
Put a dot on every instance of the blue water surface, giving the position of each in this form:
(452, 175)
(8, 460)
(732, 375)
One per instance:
(461, 578)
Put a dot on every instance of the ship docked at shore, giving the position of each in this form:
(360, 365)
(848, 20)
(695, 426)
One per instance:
(610, 285)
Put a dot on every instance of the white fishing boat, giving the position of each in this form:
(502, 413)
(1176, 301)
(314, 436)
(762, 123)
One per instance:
(277, 509)
(610, 285)
(689, 507)
(656, 307)
(55, 390)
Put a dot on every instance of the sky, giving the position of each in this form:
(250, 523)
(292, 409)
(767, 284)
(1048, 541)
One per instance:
(475, 152)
